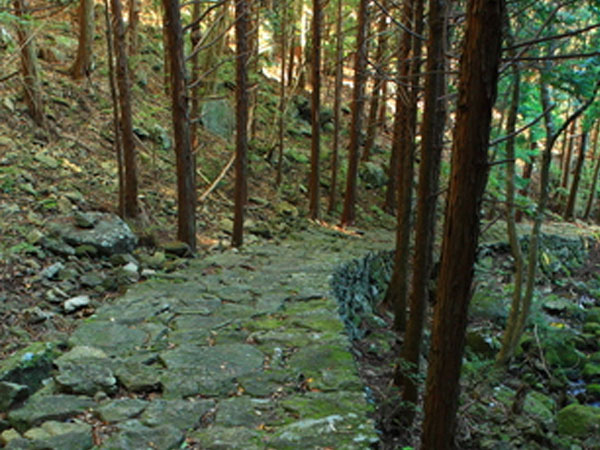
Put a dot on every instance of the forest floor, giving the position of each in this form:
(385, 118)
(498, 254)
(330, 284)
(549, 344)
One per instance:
(70, 167)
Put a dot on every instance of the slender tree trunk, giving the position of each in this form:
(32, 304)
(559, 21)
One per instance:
(31, 79)
(379, 76)
(123, 83)
(113, 94)
(566, 169)
(358, 100)
(513, 236)
(166, 57)
(194, 76)
(186, 183)
(83, 61)
(132, 29)
(588, 208)
(254, 64)
(477, 93)
(241, 139)
(315, 112)
(282, 102)
(337, 104)
(527, 172)
(570, 209)
(432, 133)
(403, 149)
(291, 66)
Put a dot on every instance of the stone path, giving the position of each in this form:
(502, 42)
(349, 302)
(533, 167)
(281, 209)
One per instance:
(239, 350)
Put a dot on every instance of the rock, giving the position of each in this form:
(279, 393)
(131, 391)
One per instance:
(81, 352)
(57, 246)
(181, 414)
(539, 406)
(372, 175)
(109, 234)
(155, 261)
(286, 209)
(578, 420)
(121, 409)
(177, 248)
(85, 376)
(51, 272)
(34, 236)
(221, 365)
(38, 409)
(136, 377)
(36, 315)
(92, 279)
(132, 435)
(245, 411)
(113, 338)
(120, 259)
(46, 160)
(218, 118)
(11, 393)
(83, 220)
(9, 435)
(591, 327)
(478, 342)
(61, 436)
(75, 303)
(29, 366)
(86, 250)
(226, 438)
(556, 305)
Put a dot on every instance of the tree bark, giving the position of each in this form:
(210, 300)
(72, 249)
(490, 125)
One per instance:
(476, 95)
(570, 208)
(379, 78)
(113, 94)
(131, 207)
(186, 184)
(358, 100)
(83, 61)
(588, 208)
(432, 134)
(241, 139)
(337, 104)
(194, 76)
(31, 79)
(282, 101)
(132, 28)
(313, 187)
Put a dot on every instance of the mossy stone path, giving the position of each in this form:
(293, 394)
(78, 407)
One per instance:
(239, 350)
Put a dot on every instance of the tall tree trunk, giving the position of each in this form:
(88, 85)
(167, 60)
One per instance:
(403, 149)
(588, 208)
(513, 237)
(476, 95)
(570, 208)
(113, 94)
(254, 64)
(241, 139)
(527, 173)
(194, 76)
(566, 169)
(379, 76)
(315, 112)
(83, 61)
(432, 135)
(358, 100)
(283, 14)
(31, 79)
(123, 83)
(337, 104)
(132, 28)
(186, 183)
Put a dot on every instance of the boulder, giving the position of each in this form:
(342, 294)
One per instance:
(578, 420)
(108, 233)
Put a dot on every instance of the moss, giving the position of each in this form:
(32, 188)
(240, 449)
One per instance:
(578, 420)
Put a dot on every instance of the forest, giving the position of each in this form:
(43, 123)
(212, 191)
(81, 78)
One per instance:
(299, 224)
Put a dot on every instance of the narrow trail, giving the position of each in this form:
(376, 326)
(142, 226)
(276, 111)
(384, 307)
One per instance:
(239, 350)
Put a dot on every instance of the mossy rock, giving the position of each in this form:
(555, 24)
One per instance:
(591, 327)
(591, 371)
(29, 366)
(578, 420)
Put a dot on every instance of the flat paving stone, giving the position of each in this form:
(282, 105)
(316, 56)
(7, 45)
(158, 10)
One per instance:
(239, 350)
